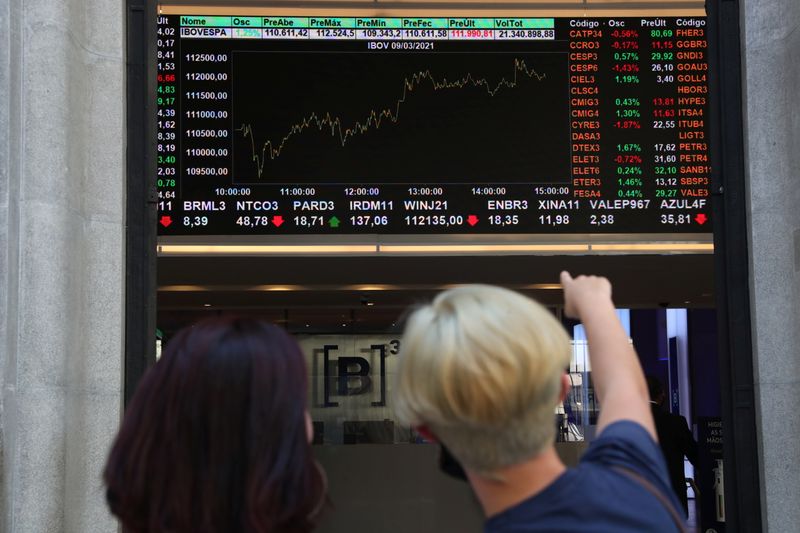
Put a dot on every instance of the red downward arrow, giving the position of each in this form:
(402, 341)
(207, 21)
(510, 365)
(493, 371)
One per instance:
(277, 220)
(472, 220)
(701, 219)
(165, 221)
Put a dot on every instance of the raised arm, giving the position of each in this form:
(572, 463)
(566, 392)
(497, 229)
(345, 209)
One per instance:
(618, 379)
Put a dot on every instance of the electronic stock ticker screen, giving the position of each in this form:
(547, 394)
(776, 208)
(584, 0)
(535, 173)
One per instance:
(327, 125)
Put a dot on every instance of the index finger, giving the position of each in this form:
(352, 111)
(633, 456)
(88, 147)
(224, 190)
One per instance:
(566, 278)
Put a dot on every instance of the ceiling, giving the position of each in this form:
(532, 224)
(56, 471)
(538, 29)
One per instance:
(371, 293)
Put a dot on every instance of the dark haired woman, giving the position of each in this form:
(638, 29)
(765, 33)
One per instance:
(217, 437)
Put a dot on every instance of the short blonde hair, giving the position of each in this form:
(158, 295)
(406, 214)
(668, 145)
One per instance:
(481, 367)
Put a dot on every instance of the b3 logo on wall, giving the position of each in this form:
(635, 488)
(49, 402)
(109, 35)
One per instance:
(350, 380)
(343, 366)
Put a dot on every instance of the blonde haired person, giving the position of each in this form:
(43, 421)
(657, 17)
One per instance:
(482, 369)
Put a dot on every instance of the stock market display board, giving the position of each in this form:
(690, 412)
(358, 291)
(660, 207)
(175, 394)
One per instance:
(325, 125)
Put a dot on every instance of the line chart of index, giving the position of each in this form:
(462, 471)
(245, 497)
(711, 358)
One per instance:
(456, 116)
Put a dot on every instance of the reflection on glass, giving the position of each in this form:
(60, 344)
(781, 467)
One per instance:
(350, 381)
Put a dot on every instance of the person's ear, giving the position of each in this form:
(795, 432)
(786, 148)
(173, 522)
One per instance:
(426, 433)
(565, 386)
(309, 427)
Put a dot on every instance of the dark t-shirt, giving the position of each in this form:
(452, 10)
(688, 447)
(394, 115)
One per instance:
(594, 498)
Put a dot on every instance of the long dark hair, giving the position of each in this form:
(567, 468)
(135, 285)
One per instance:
(215, 437)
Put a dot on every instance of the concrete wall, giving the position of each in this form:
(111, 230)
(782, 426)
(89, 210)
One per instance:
(61, 259)
(5, 169)
(772, 85)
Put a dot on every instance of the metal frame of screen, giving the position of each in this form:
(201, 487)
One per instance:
(729, 204)
(731, 273)
(140, 213)
(424, 233)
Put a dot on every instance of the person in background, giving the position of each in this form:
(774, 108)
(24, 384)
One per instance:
(482, 369)
(675, 439)
(217, 437)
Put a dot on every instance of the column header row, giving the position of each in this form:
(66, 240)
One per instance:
(366, 23)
